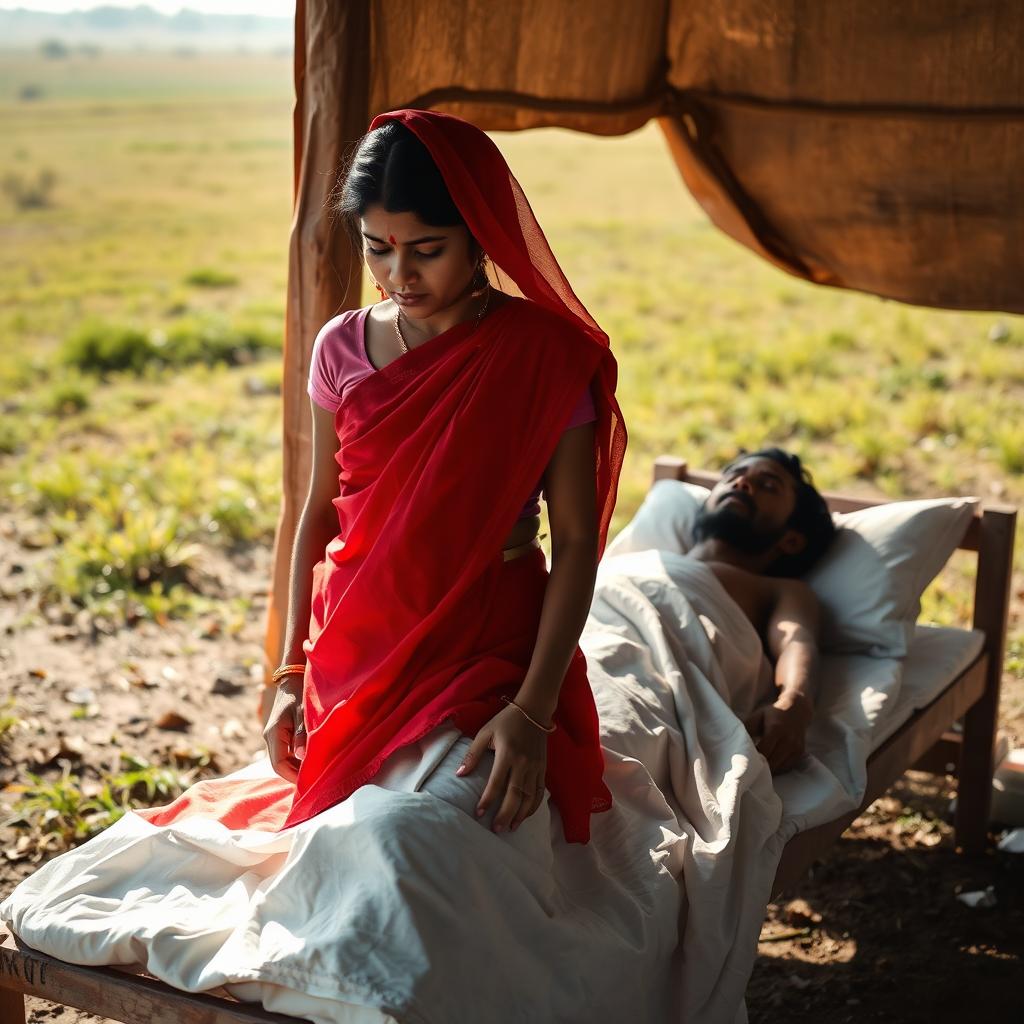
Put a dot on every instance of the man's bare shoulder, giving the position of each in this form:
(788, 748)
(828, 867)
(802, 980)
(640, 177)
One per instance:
(747, 589)
(734, 574)
(756, 587)
(794, 587)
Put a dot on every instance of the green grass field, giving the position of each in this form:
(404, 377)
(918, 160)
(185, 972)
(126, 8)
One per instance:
(162, 242)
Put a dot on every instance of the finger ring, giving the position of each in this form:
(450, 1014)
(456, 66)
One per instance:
(520, 791)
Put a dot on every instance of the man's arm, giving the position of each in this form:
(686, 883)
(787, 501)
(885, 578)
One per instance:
(791, 636)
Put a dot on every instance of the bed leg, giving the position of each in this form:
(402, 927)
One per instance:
(991, 609)
(974, 786)
(12, 1006)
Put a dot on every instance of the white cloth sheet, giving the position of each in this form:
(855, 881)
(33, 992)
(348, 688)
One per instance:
(397, 905)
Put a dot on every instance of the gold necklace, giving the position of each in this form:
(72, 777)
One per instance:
(398, 326)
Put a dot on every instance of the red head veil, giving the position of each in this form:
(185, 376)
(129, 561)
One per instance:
(498, 214)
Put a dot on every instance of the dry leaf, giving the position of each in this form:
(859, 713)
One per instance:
(787, 933)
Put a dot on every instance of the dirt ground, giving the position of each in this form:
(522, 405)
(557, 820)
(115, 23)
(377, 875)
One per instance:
(874, 933)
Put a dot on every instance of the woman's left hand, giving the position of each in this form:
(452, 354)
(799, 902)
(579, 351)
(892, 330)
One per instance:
(517, 775)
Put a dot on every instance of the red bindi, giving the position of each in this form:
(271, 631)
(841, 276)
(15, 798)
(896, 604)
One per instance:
(391, 239)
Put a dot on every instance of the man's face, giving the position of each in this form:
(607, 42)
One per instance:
(750, 506)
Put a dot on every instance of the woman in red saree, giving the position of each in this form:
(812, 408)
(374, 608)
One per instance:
(444, 405)
(437, 667)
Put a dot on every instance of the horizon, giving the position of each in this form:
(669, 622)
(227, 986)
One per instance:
(266, 8)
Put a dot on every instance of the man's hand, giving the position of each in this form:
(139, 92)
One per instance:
(517, 774)
(780, 729)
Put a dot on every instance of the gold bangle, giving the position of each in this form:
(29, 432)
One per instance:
(287, 670)
(533, 721)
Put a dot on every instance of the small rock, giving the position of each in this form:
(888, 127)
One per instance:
(226, 687)
(44, 755)
(980, 898)
(21, 849)
(83, 696)
(800, 912)
(173, 722)
(37, 540)
(194, 757)
(72, 747)
(232, 729)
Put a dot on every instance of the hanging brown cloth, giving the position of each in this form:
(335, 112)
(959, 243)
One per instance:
(876, 146)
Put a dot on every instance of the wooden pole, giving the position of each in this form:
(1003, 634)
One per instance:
(332, 73)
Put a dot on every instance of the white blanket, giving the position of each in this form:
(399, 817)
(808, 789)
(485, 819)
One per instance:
(398, 905)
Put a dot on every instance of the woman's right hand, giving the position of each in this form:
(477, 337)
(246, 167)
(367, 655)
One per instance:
(285, 731)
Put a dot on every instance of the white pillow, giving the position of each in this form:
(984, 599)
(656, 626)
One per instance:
(870, 580)
(664, 521)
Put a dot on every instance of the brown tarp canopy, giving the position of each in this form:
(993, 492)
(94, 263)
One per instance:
(866, 144)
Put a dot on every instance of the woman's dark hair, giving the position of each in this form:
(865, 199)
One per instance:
(390, 166)
(811, 516)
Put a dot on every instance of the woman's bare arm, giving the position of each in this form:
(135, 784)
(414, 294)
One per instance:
(516, 779)
(572, 515)
(284, 731)
(317, 527)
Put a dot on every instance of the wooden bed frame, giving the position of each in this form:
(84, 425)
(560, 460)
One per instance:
(925, 742)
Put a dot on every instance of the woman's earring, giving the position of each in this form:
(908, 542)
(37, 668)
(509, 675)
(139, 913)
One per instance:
(480, 283)
(380, 291)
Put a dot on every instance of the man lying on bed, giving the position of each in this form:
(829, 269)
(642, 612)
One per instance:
(762, 527)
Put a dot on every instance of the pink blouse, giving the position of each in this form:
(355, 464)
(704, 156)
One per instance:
(340, 360)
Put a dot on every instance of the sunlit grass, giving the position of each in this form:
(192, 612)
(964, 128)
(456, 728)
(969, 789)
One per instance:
(58, 813)
(10, 722)
(177, 239)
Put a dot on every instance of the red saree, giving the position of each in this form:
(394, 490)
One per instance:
(415, 618)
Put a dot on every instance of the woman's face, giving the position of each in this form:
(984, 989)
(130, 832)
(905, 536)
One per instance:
(424, 268)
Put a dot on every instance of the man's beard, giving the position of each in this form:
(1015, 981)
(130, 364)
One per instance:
(738, 531)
